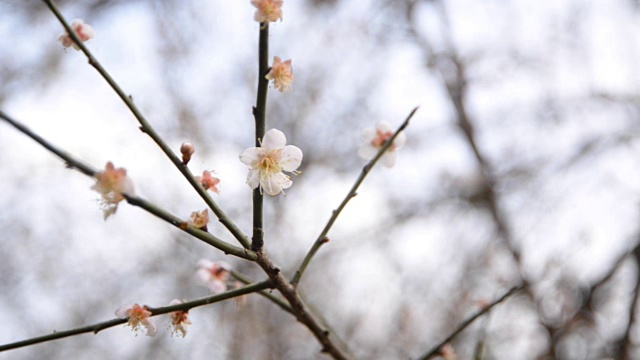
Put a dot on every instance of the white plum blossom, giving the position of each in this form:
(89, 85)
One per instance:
(268, 161)
(213, 275)
(267, 10)
(179, 320)
(138, 316)
(281, 73)
(374, 139)
(200, 219)
(112, 184)
(82, 30)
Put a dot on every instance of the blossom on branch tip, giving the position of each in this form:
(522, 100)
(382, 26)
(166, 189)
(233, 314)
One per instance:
(113, 184)
(208, 181)
(281, 73)
(186, 149)
(268, 161)
(82, 30)
(179, 319)
(213, 275)
(200, 219)
(374, 139)
(138, 316)
(267, 10)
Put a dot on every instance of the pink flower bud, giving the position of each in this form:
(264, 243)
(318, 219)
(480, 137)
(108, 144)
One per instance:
(186, 149)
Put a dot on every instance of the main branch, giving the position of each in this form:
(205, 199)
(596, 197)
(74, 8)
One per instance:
(259, 114)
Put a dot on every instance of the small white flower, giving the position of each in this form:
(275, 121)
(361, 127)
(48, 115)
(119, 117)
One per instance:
(374, 139)
(179, 319)
(113, 184)
(268, 161)
(281, 73)
(82, 30)
(267, 10)
(138, 316)
(200, 219)
(213, 275)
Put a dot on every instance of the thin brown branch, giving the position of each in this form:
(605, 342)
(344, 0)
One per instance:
(322, 238)
(95, 328)
(74, 163)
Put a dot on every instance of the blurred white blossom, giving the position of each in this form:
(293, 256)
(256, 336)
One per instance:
(374, 139)
(138, 316)
(82, 30)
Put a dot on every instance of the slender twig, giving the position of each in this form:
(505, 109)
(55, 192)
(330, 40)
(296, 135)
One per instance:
(266, 293)
(186, 306)
(70, 161)
(188, 228)
(436, 349)
(259, 114)
(74, 163)
(322, 238)
(146, 127)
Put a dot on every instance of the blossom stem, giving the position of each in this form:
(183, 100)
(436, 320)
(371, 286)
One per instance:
(95, 328)
(436, 349)
(146, 127)
(322, 238)
(259, 114)
(136, 201)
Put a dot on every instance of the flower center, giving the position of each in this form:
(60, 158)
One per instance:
(381, 137)
(138, 313)
(269, 163)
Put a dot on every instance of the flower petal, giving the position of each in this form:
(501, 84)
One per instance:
(217, 286)
(251, 155)
(151, 327)
(400, 140)
(273, 139)
(274, 184)
(367, 151)
(253, 178)
(368, 135)
(384, 127)
(123, 311)
(290, 158)
(389, 159)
